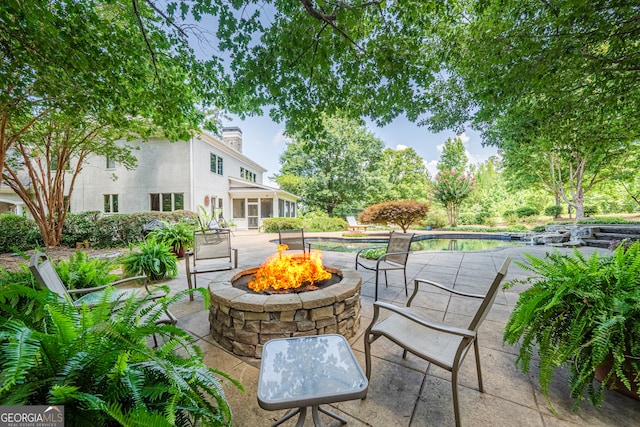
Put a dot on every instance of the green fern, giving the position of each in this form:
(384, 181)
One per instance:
(577, 312)
(97, 362)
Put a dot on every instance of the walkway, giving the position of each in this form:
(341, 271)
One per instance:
(411, 392)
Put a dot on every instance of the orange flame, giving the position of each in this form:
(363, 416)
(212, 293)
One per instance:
(284, 271)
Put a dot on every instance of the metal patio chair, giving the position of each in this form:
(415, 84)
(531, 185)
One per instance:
(294, 239)
(46, 275)
(395, 258)
(439, 343)
(211, 252)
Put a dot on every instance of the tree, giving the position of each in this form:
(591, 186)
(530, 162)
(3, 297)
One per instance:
(338, 171)
(403, 213)
(45, 161)
(558, 78)
(404, 176)
(453, 155)
(98, 66)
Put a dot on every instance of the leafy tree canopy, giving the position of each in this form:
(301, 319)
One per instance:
(337, 171)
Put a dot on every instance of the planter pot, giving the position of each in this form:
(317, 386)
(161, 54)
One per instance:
(614, 383)
(179, 253)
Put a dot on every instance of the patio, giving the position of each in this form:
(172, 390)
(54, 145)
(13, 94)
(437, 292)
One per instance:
(411, 392)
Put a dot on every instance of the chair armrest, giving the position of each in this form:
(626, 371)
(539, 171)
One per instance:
(384, 256)
(423, 322)
(444, 288)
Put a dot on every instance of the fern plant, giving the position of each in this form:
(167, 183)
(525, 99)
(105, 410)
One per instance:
(80, 271)
(97, 363)
(580, 312)
(152, 258)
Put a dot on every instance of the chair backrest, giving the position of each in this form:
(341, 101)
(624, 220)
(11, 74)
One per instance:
(490, 297)
(211, 244)
(45, 274)
(351, 220)
(294, 239)
(399, 242)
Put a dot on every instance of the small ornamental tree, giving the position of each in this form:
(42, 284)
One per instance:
(403, 213)
(450, 189)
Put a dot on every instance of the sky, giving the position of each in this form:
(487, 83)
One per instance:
(263, 141)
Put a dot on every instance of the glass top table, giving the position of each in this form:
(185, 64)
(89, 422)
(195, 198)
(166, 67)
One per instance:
(97, 296)
(309, 371)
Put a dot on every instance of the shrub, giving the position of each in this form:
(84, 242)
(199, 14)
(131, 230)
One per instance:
(467, 218)
(373, 253)
(18, 233)
(508, 213)
(436, 219)
(79, 227)
(553, 211)
(511, 219)
(590, 210)
(482, 217)
(179, 236)
(527, 211)
(402, 213)
(318, 223)
(273, 225)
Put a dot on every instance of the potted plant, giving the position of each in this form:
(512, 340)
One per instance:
(583, 313)
(152, 258)
(179, 236)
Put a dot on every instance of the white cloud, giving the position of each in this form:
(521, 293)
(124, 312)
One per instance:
(432, 167)
(279, 138)
(401, 147)
(463, 137)
(440, 148)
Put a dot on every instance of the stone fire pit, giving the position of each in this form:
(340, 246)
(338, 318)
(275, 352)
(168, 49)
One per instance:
(242, 321)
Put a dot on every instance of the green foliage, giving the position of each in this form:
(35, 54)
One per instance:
(79, 271)
(340, 169)
(373, 253)
(590, 210)
(576, 312)
(436, 219)
(324, 223)
(177, 235)
(526, 212)
(402, 213)
(539, 229)
(511, 229)
(554, 211)
(151, 258)
(450, 189)
(79, 227)
(403, 177)
(18, 233)
(97, 363)
(273, 225)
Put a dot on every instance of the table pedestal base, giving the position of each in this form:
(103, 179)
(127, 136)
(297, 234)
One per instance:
(303, 415)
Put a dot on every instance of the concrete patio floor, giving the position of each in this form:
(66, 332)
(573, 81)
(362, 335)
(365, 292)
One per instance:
(412, 392)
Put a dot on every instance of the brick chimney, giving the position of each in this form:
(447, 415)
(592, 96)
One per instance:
(232, 136)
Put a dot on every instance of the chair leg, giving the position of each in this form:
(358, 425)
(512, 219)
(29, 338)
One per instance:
(367, 355)
(190, 285)
(454, 389)
(376, 295)
(386, 280)
(406, 290)
(477, 352)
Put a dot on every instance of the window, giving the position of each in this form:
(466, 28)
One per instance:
(111, 203)
(111, 163)
(215, 164)
(247, 174)
(266, 208)
(286, 208)
(166, 202)
(239, 208)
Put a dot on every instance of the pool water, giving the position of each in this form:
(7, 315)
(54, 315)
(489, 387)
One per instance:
(422, 245)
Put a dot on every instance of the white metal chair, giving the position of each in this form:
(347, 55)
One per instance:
(353, 224)
(439, 343)
(395, 258)
(211, 252)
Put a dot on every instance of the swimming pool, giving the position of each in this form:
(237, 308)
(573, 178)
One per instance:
(422, 242)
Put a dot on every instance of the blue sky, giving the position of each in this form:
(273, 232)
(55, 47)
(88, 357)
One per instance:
(264, 141)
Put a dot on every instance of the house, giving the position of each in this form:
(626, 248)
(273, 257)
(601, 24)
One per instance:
(205, 172)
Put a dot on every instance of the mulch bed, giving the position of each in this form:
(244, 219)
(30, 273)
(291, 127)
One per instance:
(11, 262)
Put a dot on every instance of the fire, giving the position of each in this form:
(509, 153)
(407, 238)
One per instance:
(283, 271)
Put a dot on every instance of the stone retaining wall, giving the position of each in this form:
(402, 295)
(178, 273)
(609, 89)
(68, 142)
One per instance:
(242, 321)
